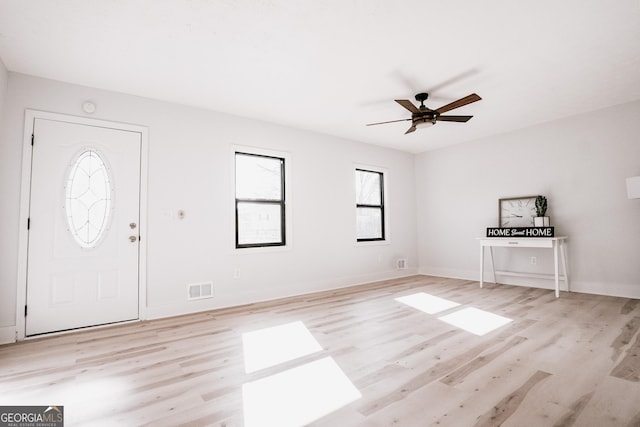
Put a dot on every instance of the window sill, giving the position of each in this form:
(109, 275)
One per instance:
(373, 243)
(261, 249)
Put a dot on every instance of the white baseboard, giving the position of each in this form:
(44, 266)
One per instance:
(7, 334)
(450, 273)
(624, 290)
(189, 307)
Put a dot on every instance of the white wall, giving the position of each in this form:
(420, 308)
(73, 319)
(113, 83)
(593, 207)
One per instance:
(4, 79)
(6, 247)
(580, 163)
(190, 169)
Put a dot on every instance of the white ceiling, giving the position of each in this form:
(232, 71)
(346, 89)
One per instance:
(331, 66)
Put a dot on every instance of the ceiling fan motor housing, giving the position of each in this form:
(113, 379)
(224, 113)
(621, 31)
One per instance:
(427, 116)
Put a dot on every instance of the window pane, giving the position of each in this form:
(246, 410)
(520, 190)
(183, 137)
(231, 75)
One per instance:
(368, 190)
(259, 223)
(88, 199)
(258, 177)
(369, 223)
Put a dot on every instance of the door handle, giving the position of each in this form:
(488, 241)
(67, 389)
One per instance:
(133, 239)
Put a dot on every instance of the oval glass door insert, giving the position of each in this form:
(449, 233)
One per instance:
(88, 199)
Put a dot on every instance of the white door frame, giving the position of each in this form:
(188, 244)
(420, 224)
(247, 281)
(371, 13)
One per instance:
(25, 198)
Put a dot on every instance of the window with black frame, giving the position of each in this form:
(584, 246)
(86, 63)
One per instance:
(260, 200)
(369, 205)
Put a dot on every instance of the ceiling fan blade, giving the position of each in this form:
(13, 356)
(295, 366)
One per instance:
(454, 118)
(382, 123)
(459, 103)
(411, 129)
(408, 105)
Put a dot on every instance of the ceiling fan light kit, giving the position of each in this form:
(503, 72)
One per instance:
(423, 116)
(425, 123)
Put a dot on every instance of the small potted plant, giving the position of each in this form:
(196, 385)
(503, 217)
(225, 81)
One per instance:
(540, 220)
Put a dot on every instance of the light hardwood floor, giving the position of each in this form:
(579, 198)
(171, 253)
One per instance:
(572, 361)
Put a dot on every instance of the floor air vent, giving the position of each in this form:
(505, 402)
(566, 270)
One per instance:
(200, 290)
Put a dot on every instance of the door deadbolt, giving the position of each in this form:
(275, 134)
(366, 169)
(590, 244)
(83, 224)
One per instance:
(133, 225)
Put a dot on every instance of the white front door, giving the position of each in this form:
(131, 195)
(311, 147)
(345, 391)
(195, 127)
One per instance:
(84, 214)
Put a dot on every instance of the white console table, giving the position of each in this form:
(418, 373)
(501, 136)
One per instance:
(554, 243)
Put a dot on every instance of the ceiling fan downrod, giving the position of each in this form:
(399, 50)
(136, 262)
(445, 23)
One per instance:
(421, 97)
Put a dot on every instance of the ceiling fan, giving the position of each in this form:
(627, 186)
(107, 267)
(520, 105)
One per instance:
(424, 116)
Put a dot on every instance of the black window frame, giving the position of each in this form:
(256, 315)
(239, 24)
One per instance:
(381, 206)
(281, 202)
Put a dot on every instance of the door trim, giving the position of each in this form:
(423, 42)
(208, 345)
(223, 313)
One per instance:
(25, 198)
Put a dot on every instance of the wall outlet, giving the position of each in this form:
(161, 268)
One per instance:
(236, 273)
(534, 261)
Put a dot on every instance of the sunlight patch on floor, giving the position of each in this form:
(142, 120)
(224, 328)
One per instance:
(268, 347)
(427, 303)
(297, 396)
(476, 321)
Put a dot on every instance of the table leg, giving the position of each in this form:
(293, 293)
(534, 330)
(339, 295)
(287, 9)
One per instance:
(555, 267)
(493, 266)
(563, 253)
(481, 265)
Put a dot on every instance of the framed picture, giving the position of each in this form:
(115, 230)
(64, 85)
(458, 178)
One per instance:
(516, 211)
